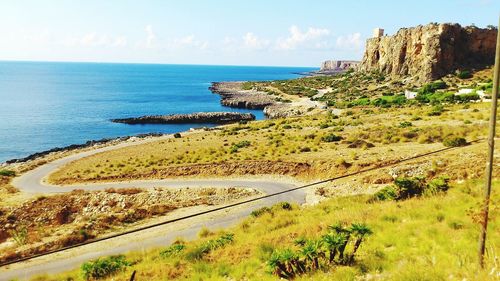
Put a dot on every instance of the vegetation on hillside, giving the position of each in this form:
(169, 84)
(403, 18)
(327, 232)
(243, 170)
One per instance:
(421, 238)
(314, 142)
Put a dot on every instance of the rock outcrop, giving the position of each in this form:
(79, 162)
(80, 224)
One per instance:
(233, 95)
(338, 65)
(199, 117)
(428, 52)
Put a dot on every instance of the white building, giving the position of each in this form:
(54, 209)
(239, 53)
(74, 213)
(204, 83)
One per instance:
(409, 95)
(378, 32)
(464, 91)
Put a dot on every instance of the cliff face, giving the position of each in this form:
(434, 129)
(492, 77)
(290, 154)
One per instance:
(431, 51)
(338, 65)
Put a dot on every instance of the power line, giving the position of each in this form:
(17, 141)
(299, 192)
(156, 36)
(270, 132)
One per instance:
(229, 206)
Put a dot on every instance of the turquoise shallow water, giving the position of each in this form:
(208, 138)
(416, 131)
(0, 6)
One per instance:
(45, 105)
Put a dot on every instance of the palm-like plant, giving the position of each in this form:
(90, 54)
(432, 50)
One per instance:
(360, 231)
(312, 251)
(278, 268)
(333, 242)
(345, 233)
(286, 258)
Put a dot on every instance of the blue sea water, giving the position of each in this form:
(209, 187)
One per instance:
(45, 105)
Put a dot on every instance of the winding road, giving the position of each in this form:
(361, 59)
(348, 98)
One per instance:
(34, 182)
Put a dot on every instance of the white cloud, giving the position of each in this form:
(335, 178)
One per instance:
(120, 41)
(298, 38)
(94, 39)
(351, 41)
(251, 41)
(188, 41)
(150, 36)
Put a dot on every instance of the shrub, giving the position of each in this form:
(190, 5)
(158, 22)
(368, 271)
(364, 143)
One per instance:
(437, 185)
(247, 86)
(409, 187)
(405, 124)
(436, 110)
(464, 74)
(177, 135)
(210, 245)
(386, 193)
(242, 144)
(305, 149)
(284, 206)
(103, 267)
(7, 173)
(173, 250)
(432, 87)
(331, 138)
(259, 212)
(404, 188)
(454, 141)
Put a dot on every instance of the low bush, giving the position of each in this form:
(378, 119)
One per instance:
(405, 188)
(464, 74)
(7, 173)
(454, 141)
(242, 144)
(172, 250)
(386, 193)
(436, 110)
(199, 252)
(177, 135)
(259, 212)
(331, 138)
(405, 124)
(103, 267)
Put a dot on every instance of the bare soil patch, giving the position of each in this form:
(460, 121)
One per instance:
(52, 222)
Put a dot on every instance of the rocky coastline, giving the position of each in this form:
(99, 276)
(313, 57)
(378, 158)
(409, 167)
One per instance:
(233, 95)
(198, 117)
(79, 146)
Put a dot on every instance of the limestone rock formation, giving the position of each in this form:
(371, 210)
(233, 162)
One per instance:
(428, 52)
(338, 65)
(233, 95)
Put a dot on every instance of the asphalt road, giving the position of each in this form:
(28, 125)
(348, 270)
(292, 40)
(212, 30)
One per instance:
(33, 182)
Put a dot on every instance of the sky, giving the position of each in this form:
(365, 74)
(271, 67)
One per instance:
(217, 32)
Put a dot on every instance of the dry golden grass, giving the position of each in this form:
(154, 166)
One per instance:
(292, 141)
(427, 238)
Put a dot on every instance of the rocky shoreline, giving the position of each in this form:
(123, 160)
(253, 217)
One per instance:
(79, 146)
(198, 117)
(233, 95)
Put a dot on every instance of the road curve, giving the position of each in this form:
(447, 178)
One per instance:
(34, 182)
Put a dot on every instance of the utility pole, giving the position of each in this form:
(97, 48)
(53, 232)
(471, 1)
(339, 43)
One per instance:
(491, 150)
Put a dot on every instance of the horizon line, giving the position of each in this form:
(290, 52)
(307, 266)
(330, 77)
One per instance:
(151, 63)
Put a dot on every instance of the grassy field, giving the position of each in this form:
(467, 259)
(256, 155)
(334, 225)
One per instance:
(321, 145)
(426, 238)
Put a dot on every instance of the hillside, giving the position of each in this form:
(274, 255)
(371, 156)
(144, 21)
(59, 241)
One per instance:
(409, 151)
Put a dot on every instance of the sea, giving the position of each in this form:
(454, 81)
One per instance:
(53, 104)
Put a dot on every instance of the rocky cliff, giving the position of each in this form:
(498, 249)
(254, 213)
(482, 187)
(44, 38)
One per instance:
(338, 65)
(233, 95)
(428, 52)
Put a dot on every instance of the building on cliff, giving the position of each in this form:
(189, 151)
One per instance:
(428, 52)
(378, 32)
